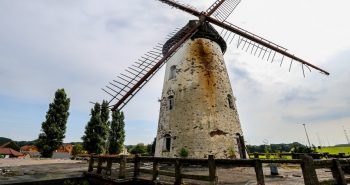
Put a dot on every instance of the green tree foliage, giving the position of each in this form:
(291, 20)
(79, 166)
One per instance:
(272, 148)
(139, 149)
(299, 148)
(77, 149)
(54, 128)
(4, 140)
(96, 130)
(117, 133)
(105, 122)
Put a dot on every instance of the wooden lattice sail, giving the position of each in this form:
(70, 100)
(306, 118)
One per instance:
(138, 74)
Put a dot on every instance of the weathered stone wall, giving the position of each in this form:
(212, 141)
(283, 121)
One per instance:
(201, 120)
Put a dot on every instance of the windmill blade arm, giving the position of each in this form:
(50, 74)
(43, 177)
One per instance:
(262, 42)
(131, 89)
(185, 8)
(222, 9)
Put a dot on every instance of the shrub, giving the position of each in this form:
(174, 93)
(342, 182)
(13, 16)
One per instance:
(183, 152)
(231, 153)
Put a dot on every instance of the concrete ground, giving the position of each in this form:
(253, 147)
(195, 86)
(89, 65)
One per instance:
(26, 170)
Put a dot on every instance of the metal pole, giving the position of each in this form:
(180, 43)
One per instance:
(307, 136)
(346, 135)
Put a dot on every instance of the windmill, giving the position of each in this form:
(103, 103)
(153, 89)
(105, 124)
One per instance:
(197, 49)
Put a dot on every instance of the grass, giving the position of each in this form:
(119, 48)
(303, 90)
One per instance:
(335, 149)
(330, 150)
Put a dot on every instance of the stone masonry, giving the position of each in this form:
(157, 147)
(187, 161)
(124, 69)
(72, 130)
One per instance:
(197, 108)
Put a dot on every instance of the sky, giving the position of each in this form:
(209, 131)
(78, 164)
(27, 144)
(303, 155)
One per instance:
(82, 45)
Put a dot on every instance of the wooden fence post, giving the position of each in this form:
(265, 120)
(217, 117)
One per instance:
(91, 164)
(259, 172)
(155, 169)
(178, 178)
(137, 165)
(99, 165)
(309, 171)
(122, 167)
(338, 173)
(256, 155)
(109, 166)
(212, 170)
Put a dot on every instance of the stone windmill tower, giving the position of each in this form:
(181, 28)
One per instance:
(198, 109)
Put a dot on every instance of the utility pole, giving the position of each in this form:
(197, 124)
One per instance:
(319, 139)
(307, 136)
(346, 135)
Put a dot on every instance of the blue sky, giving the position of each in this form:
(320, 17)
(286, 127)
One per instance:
(81, 45)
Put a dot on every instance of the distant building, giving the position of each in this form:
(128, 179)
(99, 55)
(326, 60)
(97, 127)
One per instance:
(65, 148)
(63, 152)
(30, 151)
(10, 153)
(29, 148)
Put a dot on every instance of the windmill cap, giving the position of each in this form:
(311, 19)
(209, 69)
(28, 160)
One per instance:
(206, 31)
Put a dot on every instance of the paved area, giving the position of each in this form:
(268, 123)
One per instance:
(26, 170)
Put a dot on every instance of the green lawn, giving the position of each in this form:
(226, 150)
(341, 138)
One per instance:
(335, 149)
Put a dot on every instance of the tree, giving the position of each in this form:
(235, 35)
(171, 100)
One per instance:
(77, 149)
(96, 130)
(54, 127)
(105, 123)
(117, 133)
(138, 149)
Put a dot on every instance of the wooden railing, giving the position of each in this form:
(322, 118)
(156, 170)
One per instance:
(130, 168)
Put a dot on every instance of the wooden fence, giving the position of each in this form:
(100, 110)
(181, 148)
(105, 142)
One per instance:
(130, 168)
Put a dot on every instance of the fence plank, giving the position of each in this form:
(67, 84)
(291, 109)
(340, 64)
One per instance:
(259, 172)
(309, 171)
(338, 173)
(91, 164)
(99, 165)
(137, 165)
(155, 170)
(122, 166)
(109, 166)
(212, 170)
(178, 178)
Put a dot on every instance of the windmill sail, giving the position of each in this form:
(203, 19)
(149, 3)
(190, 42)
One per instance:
(184, 7)
(222, 9)
(137, 75)
(261, 45)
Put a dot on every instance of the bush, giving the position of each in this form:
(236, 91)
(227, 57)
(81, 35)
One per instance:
(231, 153)
(183, 152)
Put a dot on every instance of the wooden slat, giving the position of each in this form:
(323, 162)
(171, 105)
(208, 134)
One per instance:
(196, 177)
